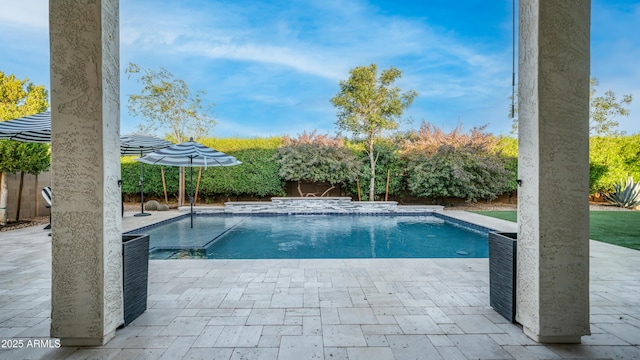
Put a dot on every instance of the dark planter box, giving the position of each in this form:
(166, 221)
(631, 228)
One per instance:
(502, 273)
(135, 262)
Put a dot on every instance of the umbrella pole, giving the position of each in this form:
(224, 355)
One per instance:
(191, 189)
(164, 187)
(142, 213)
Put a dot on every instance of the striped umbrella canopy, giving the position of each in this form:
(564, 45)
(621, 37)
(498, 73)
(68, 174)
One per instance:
(139, 145)
(34, 128)
(189, 154)
(37, 128)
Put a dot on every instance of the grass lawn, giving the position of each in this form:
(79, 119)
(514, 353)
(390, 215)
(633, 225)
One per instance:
(613, 227)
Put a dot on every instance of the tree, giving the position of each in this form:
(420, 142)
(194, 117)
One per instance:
(369, 104)
(167, 103)
(390, 167)
(34, 159)
(20, 98)
(603, 111)
(316, 158)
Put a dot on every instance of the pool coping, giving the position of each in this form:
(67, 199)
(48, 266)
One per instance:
(456, 220)
(453, 219)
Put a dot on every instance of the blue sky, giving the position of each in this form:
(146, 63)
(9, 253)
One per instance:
(272, 66)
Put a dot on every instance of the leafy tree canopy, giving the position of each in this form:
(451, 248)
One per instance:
(603, 111)
(166, 103)
(20, 98)
(369, 104)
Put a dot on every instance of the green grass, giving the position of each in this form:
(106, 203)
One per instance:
(509, 215)
(614, 227)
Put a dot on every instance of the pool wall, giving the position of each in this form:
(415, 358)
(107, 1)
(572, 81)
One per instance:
(315, 205)
(403, 213)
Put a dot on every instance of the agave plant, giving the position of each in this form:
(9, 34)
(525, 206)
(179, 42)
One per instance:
(627, 195)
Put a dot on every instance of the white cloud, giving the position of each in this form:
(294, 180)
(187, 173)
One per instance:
(25, 15)
(300, 60)
(350, 36)
(293, 56)
(273, 100)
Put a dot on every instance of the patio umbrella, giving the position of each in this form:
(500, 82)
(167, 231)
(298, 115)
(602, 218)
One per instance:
(189, 154)
(37, 128)
(141, 144)
(34, 128)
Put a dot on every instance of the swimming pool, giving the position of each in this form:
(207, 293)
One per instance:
(315, 236)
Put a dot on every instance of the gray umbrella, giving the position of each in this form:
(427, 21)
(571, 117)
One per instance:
(140, 145)
(37, 128)
(34, 128)
(189, 154)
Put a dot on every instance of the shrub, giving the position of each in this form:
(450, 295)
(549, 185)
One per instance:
(507, 149)
(626, 195)
(316, 158)
(257, 176)
(612, 158)
(130, 172)
(455, 164)
(388, 162)
(458, 173)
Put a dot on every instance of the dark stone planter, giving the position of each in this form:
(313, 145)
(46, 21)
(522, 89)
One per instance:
(502, 273)
(135, 262)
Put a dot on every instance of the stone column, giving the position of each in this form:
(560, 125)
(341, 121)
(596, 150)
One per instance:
(86, 292)
(553, 164)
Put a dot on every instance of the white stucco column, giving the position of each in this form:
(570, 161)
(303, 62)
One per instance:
(86, 294)
(553, 164)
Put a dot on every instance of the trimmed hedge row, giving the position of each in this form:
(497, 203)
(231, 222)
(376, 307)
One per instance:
(613, 159)
(258, 176)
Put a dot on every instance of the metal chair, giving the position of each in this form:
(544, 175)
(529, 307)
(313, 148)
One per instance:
(46, 194)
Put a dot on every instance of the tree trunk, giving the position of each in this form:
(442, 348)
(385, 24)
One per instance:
(195, 199)
(4, 193)
(328, 190)
(19, 196)
(36, 197)
(164, 187)
(386, 193)
(181, 187)
(372, 182)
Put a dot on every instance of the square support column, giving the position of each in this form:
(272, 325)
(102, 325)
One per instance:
(553, 164)
(86, 292)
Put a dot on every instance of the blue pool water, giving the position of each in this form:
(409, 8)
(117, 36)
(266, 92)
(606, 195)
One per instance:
(315, 236)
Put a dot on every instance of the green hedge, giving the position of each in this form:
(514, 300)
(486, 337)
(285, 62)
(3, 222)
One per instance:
(152, 178)
(257, 176)
(611, 159)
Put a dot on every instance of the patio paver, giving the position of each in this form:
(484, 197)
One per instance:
(317, 308)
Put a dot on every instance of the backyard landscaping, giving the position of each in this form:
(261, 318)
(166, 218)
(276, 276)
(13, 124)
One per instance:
(614, 227)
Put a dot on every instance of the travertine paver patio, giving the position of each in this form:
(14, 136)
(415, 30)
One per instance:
(314, 309)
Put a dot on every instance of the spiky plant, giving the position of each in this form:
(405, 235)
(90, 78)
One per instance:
(626, 195)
